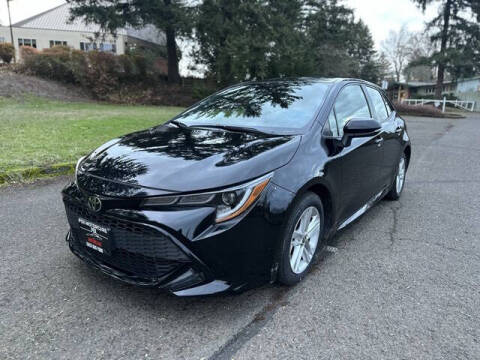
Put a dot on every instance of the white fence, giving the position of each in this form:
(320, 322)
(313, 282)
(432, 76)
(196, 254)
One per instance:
(465, 105)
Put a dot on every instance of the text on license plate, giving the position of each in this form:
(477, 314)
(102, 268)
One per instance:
(97, 235)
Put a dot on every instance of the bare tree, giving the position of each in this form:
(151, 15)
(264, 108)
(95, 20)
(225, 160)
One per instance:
(397, 47)
(384, 66)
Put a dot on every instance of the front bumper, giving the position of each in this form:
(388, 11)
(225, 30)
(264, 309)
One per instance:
(180, 250)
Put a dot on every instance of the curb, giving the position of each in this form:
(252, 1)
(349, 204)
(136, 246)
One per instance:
(32, 173)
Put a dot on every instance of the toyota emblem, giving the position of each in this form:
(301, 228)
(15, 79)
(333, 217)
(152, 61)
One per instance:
(94, 203)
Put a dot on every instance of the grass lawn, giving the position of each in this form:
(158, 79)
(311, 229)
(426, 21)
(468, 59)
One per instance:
(36, 132)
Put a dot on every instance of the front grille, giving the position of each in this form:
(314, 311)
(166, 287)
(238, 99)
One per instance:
(136, 250)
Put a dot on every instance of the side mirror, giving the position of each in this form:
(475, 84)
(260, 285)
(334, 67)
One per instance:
(358, 127)
(361, 127)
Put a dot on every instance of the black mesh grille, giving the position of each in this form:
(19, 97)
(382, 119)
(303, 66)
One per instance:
(135, 249)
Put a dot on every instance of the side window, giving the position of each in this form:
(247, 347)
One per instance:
(330, 128)
(378, 103)
(350, 103)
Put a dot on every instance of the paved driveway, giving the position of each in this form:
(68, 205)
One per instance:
(404, 283)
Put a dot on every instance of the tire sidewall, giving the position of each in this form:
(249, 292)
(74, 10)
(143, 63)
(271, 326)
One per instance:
(285, 272)
(393, 194)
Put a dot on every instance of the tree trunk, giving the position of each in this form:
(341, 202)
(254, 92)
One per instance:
(173, 73)
(443, 48)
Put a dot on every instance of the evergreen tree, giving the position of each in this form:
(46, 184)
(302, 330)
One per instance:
(249, 39)
(257, 39)
(171, 16)
(340, 45)
(458, 35)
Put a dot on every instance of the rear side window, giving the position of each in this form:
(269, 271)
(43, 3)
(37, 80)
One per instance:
(350, 103)
(378, 104)
(388, 106)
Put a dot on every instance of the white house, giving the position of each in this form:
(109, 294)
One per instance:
(52, 27)
(462, 89)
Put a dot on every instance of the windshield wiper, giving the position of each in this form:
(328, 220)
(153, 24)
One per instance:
(233, 128)
(179, 124)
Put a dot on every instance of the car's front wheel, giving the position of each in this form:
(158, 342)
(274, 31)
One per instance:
(302, 239)
(397, 186)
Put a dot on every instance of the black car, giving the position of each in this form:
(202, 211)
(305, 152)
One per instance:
(242, 188)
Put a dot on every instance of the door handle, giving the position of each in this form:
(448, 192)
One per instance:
(379, 142)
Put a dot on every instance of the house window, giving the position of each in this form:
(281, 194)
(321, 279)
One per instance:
(107, 47)
(84, 46)
(27, 42)
(57, 43)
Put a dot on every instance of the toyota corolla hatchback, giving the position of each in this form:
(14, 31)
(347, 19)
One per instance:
(242, 188)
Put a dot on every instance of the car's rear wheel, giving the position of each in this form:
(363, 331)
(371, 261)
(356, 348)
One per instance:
(302, 239)
(399, 182)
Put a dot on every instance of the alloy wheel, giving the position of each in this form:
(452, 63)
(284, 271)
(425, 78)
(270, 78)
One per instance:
(304, 239)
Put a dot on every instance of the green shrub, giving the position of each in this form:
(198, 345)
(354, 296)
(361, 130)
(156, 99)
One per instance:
(78, 64)
(129, 71)
(36, 65)
(142, 65)
(59, 63)
(53, 66)
(102, 73)
(7, 51)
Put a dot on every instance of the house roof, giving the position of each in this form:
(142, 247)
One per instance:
(58, 19)
(416, 84)
(419, 84)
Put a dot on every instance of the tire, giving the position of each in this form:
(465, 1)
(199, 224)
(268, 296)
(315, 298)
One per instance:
(296, 259)
(399, 182)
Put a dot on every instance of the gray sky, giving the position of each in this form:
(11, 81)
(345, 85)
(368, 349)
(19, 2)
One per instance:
(380, 15)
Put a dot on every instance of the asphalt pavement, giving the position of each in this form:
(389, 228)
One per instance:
(403, 282)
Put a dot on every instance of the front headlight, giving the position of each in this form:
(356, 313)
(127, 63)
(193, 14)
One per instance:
(229, 203)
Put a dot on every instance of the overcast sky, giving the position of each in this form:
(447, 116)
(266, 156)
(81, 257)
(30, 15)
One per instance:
(380, 15)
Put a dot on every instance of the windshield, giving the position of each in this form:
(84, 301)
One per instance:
(277, 105)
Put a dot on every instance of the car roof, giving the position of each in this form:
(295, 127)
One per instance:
(313, 79)
(359, 80)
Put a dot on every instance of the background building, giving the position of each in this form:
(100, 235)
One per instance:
(462, 89)
(52, 28)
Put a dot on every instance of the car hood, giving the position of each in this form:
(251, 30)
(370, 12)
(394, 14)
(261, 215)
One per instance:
(172, 159)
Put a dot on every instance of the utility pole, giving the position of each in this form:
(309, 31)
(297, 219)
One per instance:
(11, 32)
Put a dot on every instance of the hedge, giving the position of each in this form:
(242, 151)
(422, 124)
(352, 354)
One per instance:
(99, 72)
